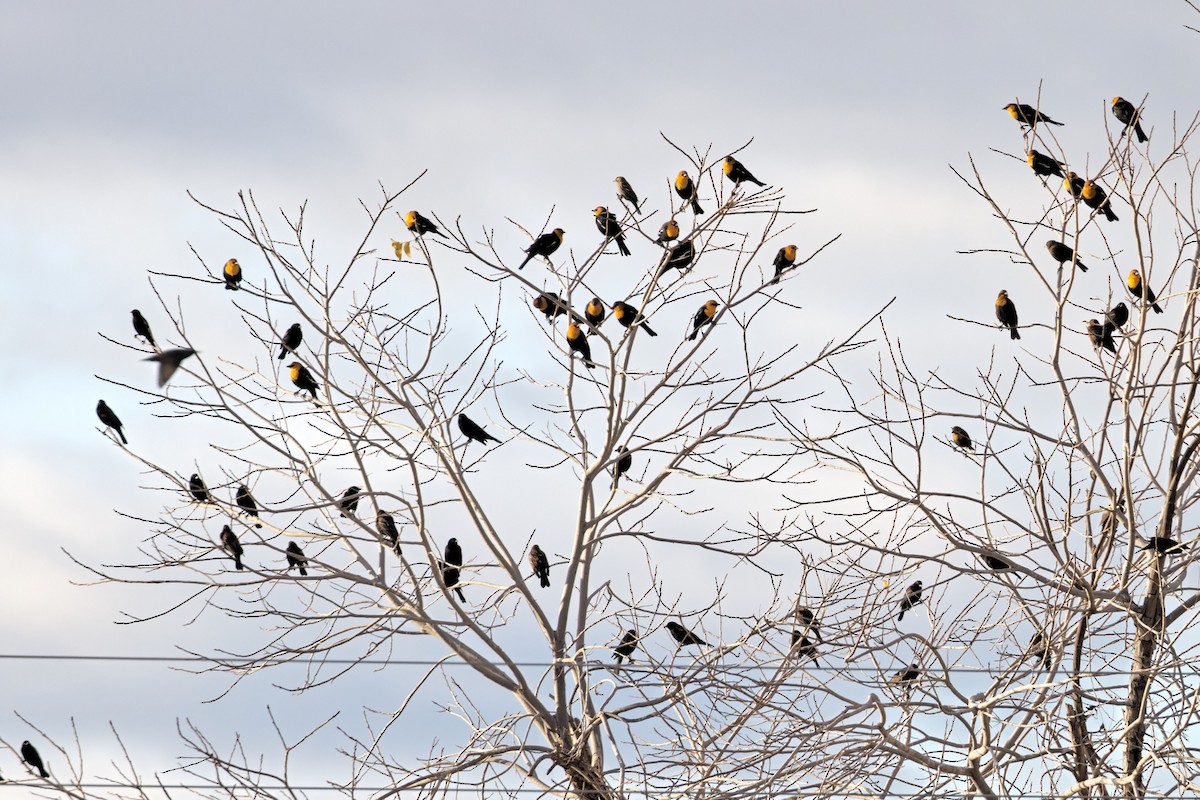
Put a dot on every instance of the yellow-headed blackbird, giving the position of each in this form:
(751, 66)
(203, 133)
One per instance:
(231, 545)
(680, 256)
(594, 312)
(623, 463)
(142, 328)
(291, 340)
(1044, 164)
(1063, 253)
(233, 274)
(912, 596)
(246, 503)
(624, 650)
(1124, 111)
(1028, 115)
(1074, 184)
(169, 361)
(784, 259)
(385, 525)
(296, 558)
(198, 490)
(1118, 315)
(303, 379)
(1163, 544)
(996, 563)
(420, 225)
(803, 647)
(627, 315)
(1096, 197)
(30, 756)
(687, 190)
(1101, 335)
(550, 304)
(474, 432)
(907, 675)
(1137, 289)
(541, 565)
(961, 438)
(349, 502)
(810, 622)
(669, 232)
(607, 224)
(110, 420)
(577, 341)
(737, 173)
(543, 246)
(626, 193)
(703, 317)
(683, 636)
(1006, 312)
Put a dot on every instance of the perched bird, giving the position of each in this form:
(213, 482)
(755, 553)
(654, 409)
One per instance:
(1124, 111)
(577, 341)
(784, 259)
(687, 190)
(1074, 184)
(419, 225)
(624, 650)
(291, 340)
(803, 647)
(543, 246)
(810, 623)
(1006, 312)
(1063, 253)
(629, 315)
(626, 193)
(1109, 519)
(623, 463)
(907, 675)
(996, 563)
(33, 758)
(454, 553)
(1096, 198)
(912, 596)
(169, 361)
(1028, 115)
(1101, 335)
(349, 502)
(669, 232)
(198, 490)
(1040, 649)
(1163, 545)
(142, 328)
(540, 564)
(607, 224)
(680, 256)
(550, 304)
(451, 577)
(594, 312)
(1118, 315)
(110, 420)
(303, 379)
(233, 274)
(737, 173)
(703, 317)
(231, 545)
(385, 524)
(683, 636)
(296, 558)
(473, 431)
(961, 438)
(1134, 283)
(1044, 165)
(246, 502)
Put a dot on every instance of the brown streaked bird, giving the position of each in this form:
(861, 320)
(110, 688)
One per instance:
(912, 597)
(1028, 115)
(296, 558)
(628, 644)
(961, 438)
(142, 328)
(607, 224)
(680, 256)
(703, 317)
(1006, 312)
(628, 315)
(1097, 198)
(1137, 289)
(541, 566)
(474, 431)
(291, 340)
(626, 193)
(1044, 165)
(232, 273)
(198, 490)
(669, 232)
(1063, 253)
(543, 246)
(623, 463)
(577, 341)
(683, 636)
(784, 260)
(1124, 111)
(1101, 335)
(303, 379)
(1074, 184)
(246, 503)
(736, 172)
(169, 361)
(385, 526)
(687, 190)
(231, 545)
(110, 420)
(420, 225)
(594, 312)
(1118, 315)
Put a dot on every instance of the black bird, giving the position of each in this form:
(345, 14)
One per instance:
(1095, 197)
(961, 438)
(703, 317)
(627, 315)
(594, 312)
(349, 502)
(246, 502)
(451, 576)
(996, 563)
(680, 256)
(296, 558)
(912, 596)
(420, 225)
(810, 622)
(1063, 254)
(907, 675)
(623, 463)
(1039, 649)
(543, 246)
(142, 328)
(198, 490)
(233, 274)
(1006, 312)
(803, 647)
(624, 650)
(110, 420)
(454, 553)
(669, 232)
(687, 190)
(385, 524)
(1101, 335)
(1124, 111)
(577, 341)
(737, 173)
(291, 340)
(550, 304)
(1074, 184)
(1162, 545)
(626, 193)
(607, 224)
(1028, 115)
(540, 564)
(473, 431)
(1044, 164)
(231, 545)
(1118, 315)
(784, 259)
(683, 636)
(302, 379)
(1137, 289)
(33, 758)
(169, 361)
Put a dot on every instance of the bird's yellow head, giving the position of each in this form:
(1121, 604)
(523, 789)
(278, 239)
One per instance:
(710, 308)
(410, 219)
(1012, 109)
(789, 252)
(600, 210)
(619, 310)
(295, 367)
(728, 166)
(595, 306)
(573, 331)
(232, 267)
(1029, 158)
(1002, 298)
(1090, 189)
(1135, 279)
(1118, 99)
(558, 233)
(682, 179)
(672, 228)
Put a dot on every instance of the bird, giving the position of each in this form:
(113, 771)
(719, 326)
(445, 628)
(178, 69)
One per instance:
(142, 328)
(737, 173)
(1096, 198)
(473, 431)
(628, 315)
(623, 463)
(303, 379)
(451, 576)
(1134, 284)
(233, 274)
(1118, 315)
(594, 312)
(995, 562)
(607, 224)
(291, 340)
(687, 190)
(453, 553)
(550, 304)
(349, 502)
(231, 545)
(543, 246)
(1101, 335)
(110, 420)
(1028, 115)
(803, 646)
(680, 256)
(1006, 312)
(810, 622)
(1074, 184)
(385, 524)
(541, 566)
(626, 193)
(198, 490)
(912, 596)
(169, 361)
(907, 675)
(624, 650)
(703, 317)
(419, 225)
(33, 758)
(296, 558)
(669, 232)
(1044, 165)
(1109, 519)
(577, 341)
(1124, 111)
(1163, 545)
(784, 259)
(961, 438)
(1039, 649)
(683, 636)
(246, 502)
(1063, 253)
